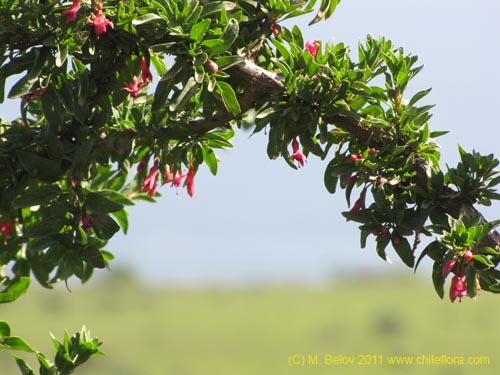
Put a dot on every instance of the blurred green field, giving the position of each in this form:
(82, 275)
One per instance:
(256, 330)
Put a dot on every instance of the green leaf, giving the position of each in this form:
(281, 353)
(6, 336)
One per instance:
(218, 46)
(438, 278)
(210, 159)
(4, 329)
(16, 288)
(37, 196)
(48, 170)
(147, 18)
(330, 178)
(199, 30)
(15, 343)
(105, 227)
(23, 366)
(96, 202)
(403, 249)
(326, 9)
(225, 90)
(25, 84)
(187, 92)
(175, 69)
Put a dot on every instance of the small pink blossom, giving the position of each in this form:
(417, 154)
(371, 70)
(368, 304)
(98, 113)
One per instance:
(177, 181)
(458, 288)
(312, 48)
(190, 181)
(134, 87)
(71, 12)
(297, 155)
(100, 22)
(150, 182)
(146, 76)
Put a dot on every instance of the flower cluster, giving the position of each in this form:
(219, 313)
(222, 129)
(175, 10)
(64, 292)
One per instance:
(458, 287)
(150, 183)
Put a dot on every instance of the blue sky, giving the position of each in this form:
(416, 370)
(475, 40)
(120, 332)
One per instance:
(260, 221)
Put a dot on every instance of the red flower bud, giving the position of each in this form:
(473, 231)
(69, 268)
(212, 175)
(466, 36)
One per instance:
(276, 30)
(357, 205)
(448, 266)
(190, 181)
(373, 151)
(211, 66)
(468, 256)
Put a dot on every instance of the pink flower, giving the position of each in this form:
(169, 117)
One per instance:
(190, 181)
(6, 228)
(177, 181)
(312, 48)
(297, 154)
(100, 22)
(458, 288)
(146, 76)
(71, 12)
(448, 266)
(134, 87)
(150, 182)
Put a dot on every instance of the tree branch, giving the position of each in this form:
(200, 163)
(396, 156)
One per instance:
(258, 83)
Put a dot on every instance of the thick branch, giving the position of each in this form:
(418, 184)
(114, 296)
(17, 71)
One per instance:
(258, 83)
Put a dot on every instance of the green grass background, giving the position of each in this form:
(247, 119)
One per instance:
(254, 330)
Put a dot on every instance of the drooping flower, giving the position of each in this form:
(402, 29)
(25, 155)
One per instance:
(71, 12)
(297, 155)
(146, 76)
(312, 48)
(150, 182)
(448, 266)
(458, 288)
(100, 22)
(190, 181)
(177, 181)
(134, 87)
(6, 228)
